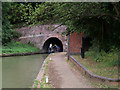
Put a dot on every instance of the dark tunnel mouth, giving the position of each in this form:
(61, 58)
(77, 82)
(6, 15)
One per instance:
(52, 41)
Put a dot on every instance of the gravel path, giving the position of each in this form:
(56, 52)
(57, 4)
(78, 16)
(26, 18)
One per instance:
(61, 75)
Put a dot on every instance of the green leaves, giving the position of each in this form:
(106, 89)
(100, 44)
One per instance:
(94, 19)
(7, 33)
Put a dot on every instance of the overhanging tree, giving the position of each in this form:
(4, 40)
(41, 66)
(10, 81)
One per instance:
(7, 33)
(101, 21)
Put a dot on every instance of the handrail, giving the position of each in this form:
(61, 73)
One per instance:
(93, 75)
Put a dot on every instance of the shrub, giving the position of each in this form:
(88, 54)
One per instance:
(110, 58)
(17, 47)
(7, 33)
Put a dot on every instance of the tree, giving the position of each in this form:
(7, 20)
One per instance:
(31, 13)
(7, 33)
(100, 21)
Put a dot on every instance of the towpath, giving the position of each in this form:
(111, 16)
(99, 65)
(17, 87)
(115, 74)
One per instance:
(61, 74)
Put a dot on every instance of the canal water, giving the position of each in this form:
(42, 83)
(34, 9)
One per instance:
(21, 71)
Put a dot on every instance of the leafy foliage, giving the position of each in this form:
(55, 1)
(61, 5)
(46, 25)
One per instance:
(110, 58)
(7, 33)
(93, 19)
(100, 21)
(31, 13)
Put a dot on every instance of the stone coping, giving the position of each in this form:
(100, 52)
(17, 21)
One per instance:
(93, 75)
(20, 54)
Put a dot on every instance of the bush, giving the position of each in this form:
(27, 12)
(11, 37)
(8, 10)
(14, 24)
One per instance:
(109, 58)
(7, 33)
(17, 47)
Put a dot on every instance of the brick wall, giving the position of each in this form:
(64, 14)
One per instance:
(75, 43)
(38, 35)
(43, 32)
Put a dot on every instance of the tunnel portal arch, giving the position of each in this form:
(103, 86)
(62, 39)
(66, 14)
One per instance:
(52, 40)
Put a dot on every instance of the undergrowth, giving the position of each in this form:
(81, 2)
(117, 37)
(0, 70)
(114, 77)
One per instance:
(101, 63)
(109, 58)
(18, 47)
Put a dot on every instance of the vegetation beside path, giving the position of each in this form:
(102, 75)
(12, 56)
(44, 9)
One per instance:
(41, 83)
(99, 68)
(18, 47)
(96, 84)
(102, 64)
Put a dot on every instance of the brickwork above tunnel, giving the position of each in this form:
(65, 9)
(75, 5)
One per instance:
(37, 35)
(41, 29)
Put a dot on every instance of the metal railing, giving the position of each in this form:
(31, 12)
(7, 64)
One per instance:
(93, 75)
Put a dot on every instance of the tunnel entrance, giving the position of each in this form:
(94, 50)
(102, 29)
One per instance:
(52, 41)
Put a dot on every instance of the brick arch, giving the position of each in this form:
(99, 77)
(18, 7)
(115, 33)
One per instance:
(37, 35)
(49, 40)
(52, 36)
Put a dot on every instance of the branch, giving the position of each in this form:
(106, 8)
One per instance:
(116, 7)
(91, 15)
(57, 27)
(116, 17)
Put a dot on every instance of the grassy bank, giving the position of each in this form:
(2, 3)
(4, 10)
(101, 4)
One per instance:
(101, 68)
(18, 47)
(101, 63)
(94, 83)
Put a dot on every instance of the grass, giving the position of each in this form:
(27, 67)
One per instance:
(18, 47)
(96, 84)
(72, 65)
(108, 58)
(103, 85)
(36, 83)
(43, 83)
(98, 68)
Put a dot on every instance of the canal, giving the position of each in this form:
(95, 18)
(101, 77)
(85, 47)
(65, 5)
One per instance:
(21, 71)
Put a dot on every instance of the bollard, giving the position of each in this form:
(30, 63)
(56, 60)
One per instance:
(46, 79)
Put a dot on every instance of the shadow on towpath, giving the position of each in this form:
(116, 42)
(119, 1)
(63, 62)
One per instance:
(61, 74)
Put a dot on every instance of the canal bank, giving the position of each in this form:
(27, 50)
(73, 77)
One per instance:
(20, 54)
(42, 80)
